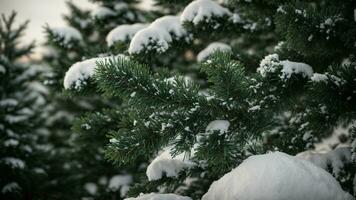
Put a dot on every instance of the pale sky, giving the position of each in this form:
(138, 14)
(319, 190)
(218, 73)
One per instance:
(39, 12)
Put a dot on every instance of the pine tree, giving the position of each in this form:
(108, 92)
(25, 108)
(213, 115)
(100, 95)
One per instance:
(22, 138)
(79, 167)
(218, 87)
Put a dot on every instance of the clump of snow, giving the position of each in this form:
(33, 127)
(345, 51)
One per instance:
(271, 63)
(67, 34)
(218, 125)
(101, 12)
(80, 72)
(2, 69)
(212, 48)
(9, 102)
(335, 159)
(153, 196)
(173, 80)
(276, 176)
(319, 77)
(14, 162)
(329, 143)
(164, 163)
(10, 187)
(203, 10)
(268, 65)
(91, 188)
(122, 182)
(290, 68)
(11, 142)
(123, 33)
(119, 6)
(158, 35)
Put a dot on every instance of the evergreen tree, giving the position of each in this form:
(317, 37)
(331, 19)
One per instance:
(22, 138)
(218, 87)
(77, 157)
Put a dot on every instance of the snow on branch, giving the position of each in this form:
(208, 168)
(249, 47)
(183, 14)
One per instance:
(164, 163)
(66, 34)
(78, 74)
(123, 33)
(102, 12)
(212, 48)
(285, 68)
(159, 35)
(203, 11)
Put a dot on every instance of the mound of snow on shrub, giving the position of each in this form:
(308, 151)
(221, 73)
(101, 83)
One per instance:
(154, 196)
(276, 176)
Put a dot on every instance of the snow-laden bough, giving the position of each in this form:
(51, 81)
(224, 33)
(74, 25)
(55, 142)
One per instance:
(203, 10)
(77, 75)
(211, 49)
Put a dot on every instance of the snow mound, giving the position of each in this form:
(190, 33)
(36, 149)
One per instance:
(80, 72)
(153, 196)
(67, 34)
(271, 63)
(158, 35)
(203, 10)
(102, 12)
(123, 33)
(334, 159)
(290, 68)
(276, 176)
(122, 182)
(91, 188)
(14, 162)
(212, 48)
(164, 163)
(10, 187)
(218, 125)
(319, 78)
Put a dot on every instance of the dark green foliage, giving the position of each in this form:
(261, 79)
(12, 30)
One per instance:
(156, 105)
(22, 163)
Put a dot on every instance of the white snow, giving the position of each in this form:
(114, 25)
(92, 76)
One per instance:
(67, 34)
(319, 78)
(203, 10)
(218, 125)
(276, 176)
(80, 72)
(119, 6)
(101, 12)
(271, 63)
(153, 196)
(335, 159)
(123, 33)
(2, 69)
(212, 48)
(173, 80)
(158, 35)
(91, 188)
(290, 68)
(11, 142)
(10, 187)
(122, 182)
(164, 163)
(14, 162)
(9, 102)
(268, 64)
